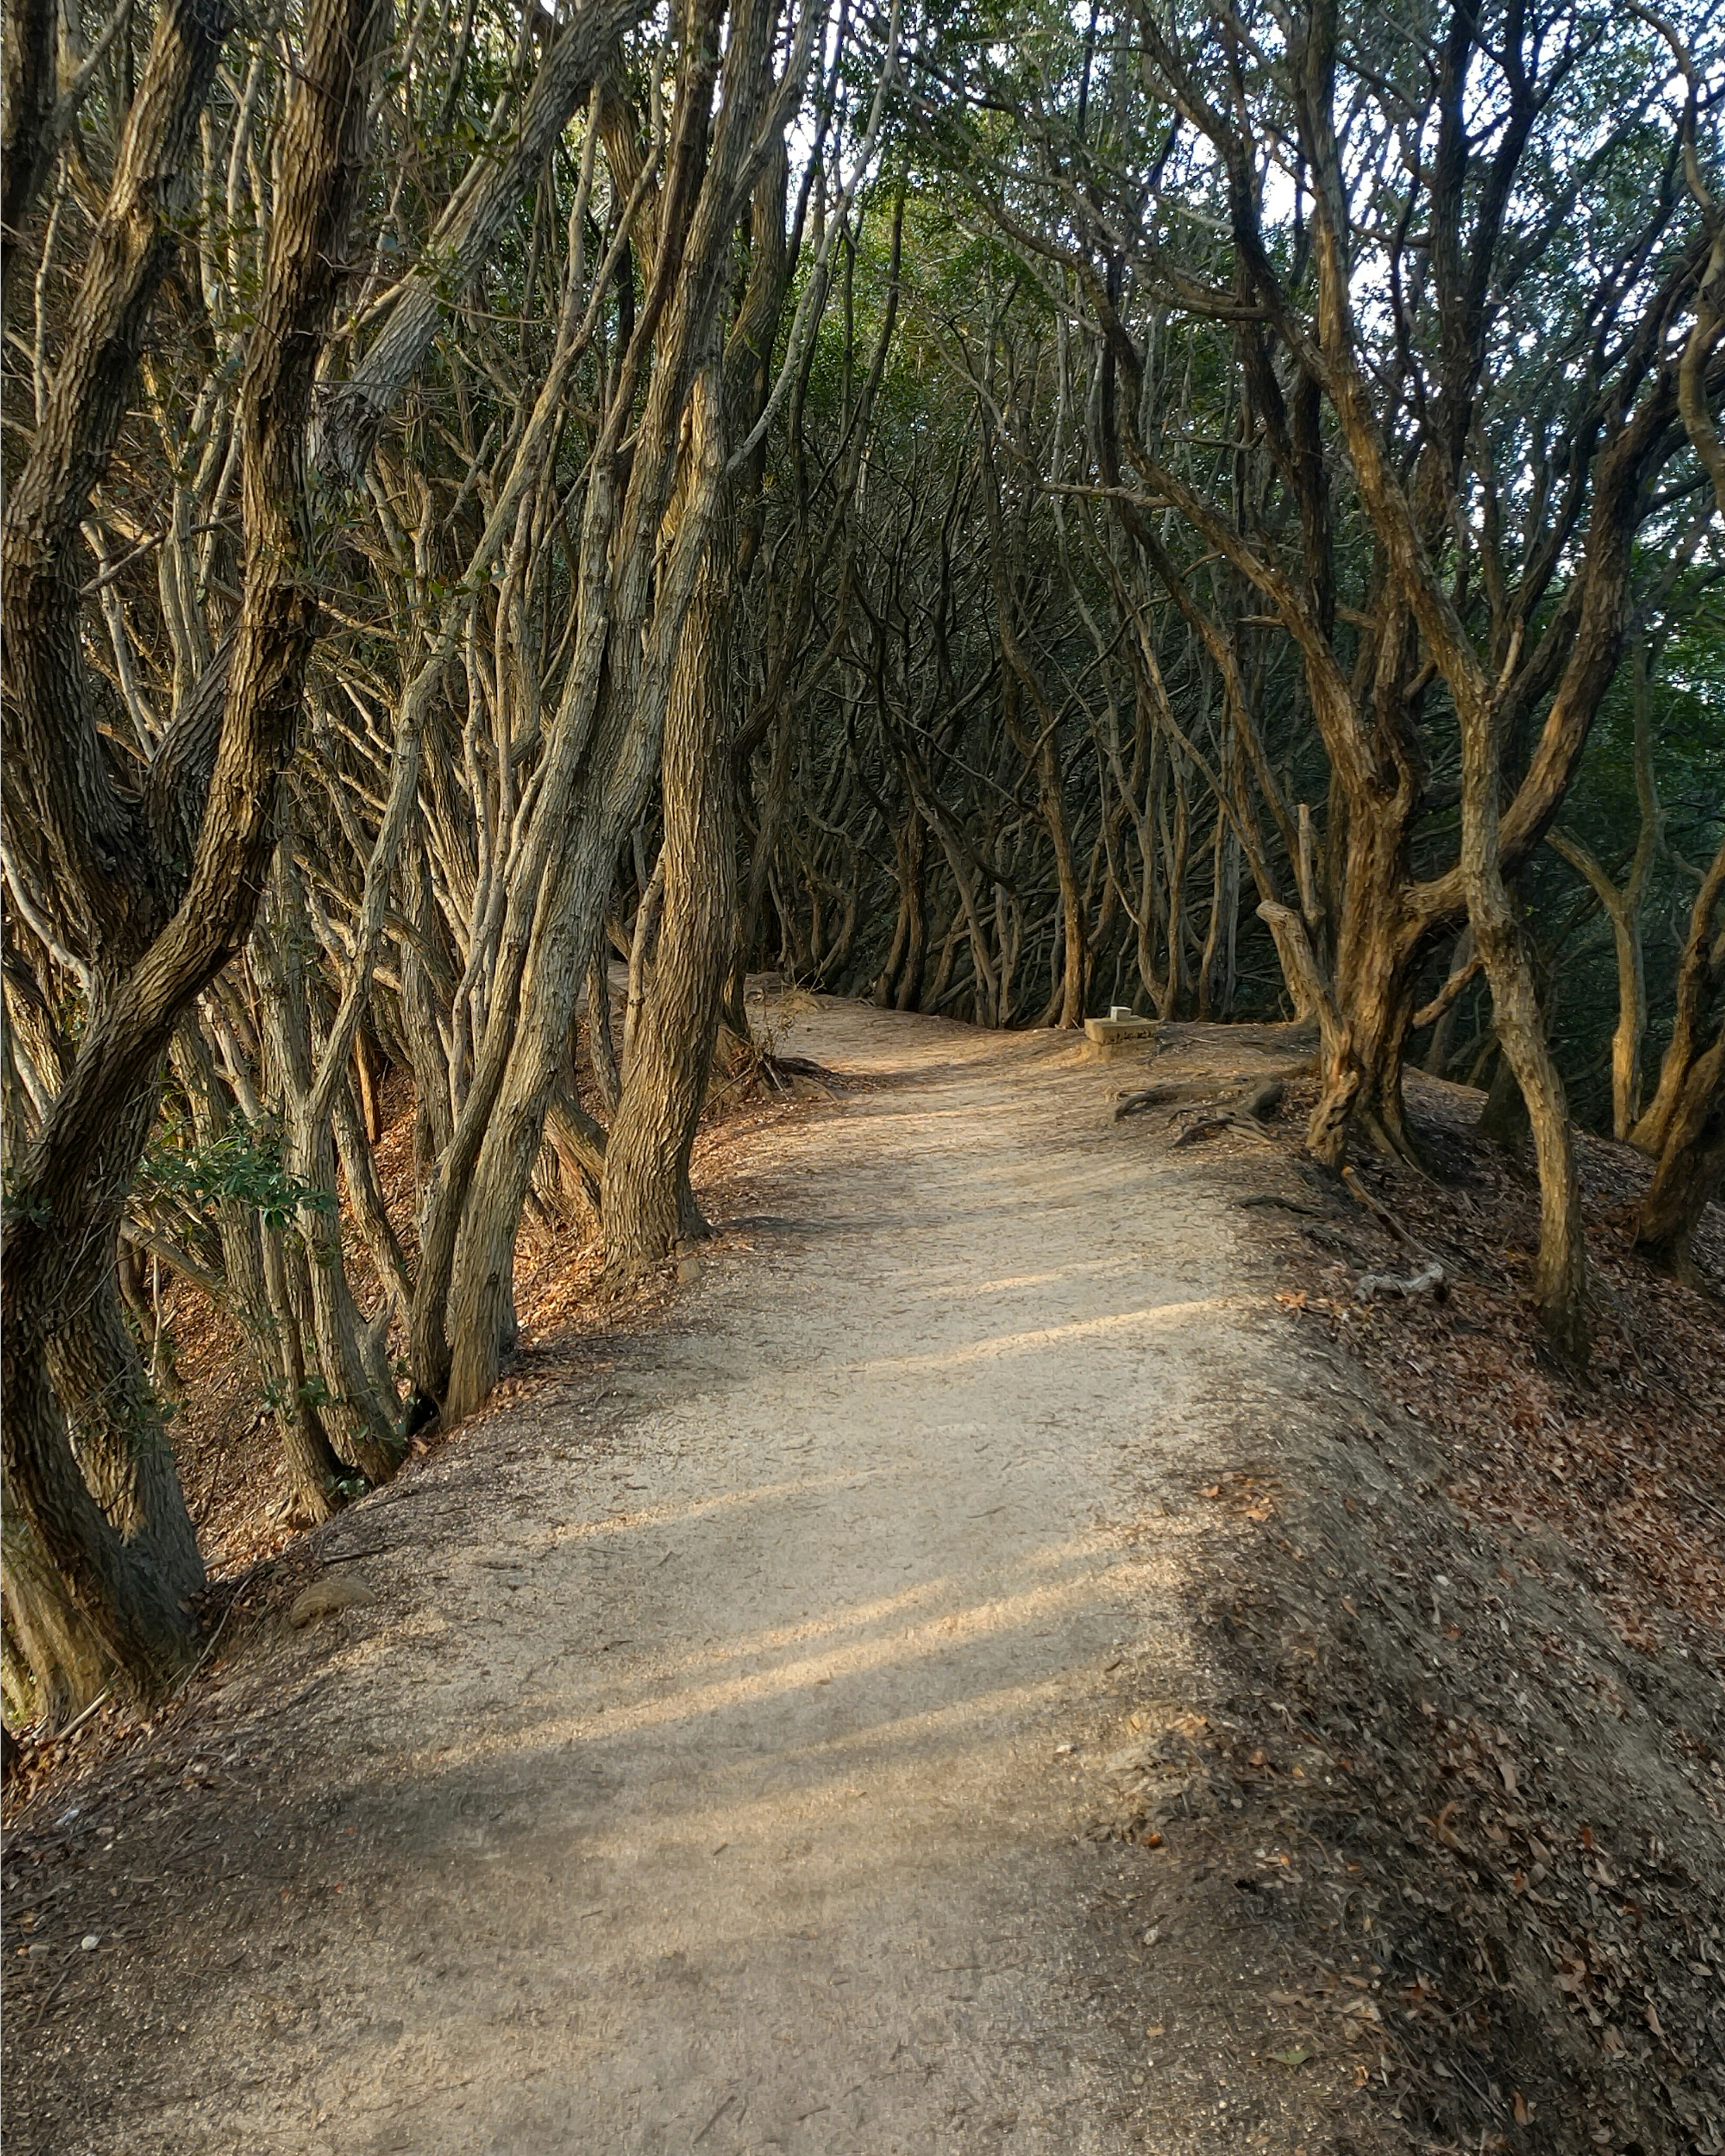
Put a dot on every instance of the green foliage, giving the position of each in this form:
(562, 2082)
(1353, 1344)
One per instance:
(242, 1166)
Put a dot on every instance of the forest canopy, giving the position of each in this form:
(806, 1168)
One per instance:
(1006, 510)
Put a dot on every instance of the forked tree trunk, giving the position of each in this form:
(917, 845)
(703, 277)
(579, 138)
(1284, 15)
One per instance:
(359, 1421)
(507, 1116)
(458, 249)
(636, 570)
(130, 1582)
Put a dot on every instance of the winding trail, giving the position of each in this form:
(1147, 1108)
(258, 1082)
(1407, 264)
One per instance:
(714, 1772)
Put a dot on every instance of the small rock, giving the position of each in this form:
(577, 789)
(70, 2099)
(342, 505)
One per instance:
(342, 1591)
(38, 1946)
(91, 1941)
(1132, 1761)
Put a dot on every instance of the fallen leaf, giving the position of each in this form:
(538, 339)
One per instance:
(1296, 2054)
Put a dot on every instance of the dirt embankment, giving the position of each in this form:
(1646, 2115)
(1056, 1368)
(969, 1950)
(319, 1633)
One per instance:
(994, 1664)
(1491, 1601)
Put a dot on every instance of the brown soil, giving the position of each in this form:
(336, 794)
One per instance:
(981, 1667)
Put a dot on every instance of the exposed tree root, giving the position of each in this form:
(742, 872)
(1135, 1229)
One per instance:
(1430, 1280)
(1247, 1113)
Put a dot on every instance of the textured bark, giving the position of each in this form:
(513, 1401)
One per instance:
(68, 1660)
(1690, 1169)
(116, 888)
(1379, 946)
(1560, 1272)
(601, 1048)
(26, 103)
(648, 1205)
(641, 947)
(87, 845)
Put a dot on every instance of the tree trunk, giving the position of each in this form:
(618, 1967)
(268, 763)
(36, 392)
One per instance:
(1692, 1165)
(1698, 973)
(648, 1204)
(601, 1051)
(461, 245)
(506, 1113)
(69, 1661)
(640, 954)
(1504, 1121)
(1379, 945)
(1560, 1288)
(900, 983)
(259, 1299)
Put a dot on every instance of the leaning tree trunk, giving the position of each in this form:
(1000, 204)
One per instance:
(1690, 1171)
(215, 788)
(465, 238)
(472, 1248)
(601, 746)
(1698, 972)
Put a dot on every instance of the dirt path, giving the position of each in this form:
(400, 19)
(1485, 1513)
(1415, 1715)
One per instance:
(714, 1771)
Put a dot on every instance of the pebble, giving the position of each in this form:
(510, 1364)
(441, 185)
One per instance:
(91, 1941)
(342, 1591)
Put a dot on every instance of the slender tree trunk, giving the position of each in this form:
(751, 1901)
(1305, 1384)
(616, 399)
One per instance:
(640, 954)
(602, 1053)
(1560, 1281)
(902, 983)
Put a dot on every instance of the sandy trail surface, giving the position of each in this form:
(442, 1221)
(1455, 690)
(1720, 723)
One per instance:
(714, 1771)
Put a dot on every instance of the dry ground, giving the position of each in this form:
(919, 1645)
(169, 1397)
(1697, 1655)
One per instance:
(980, 1674)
